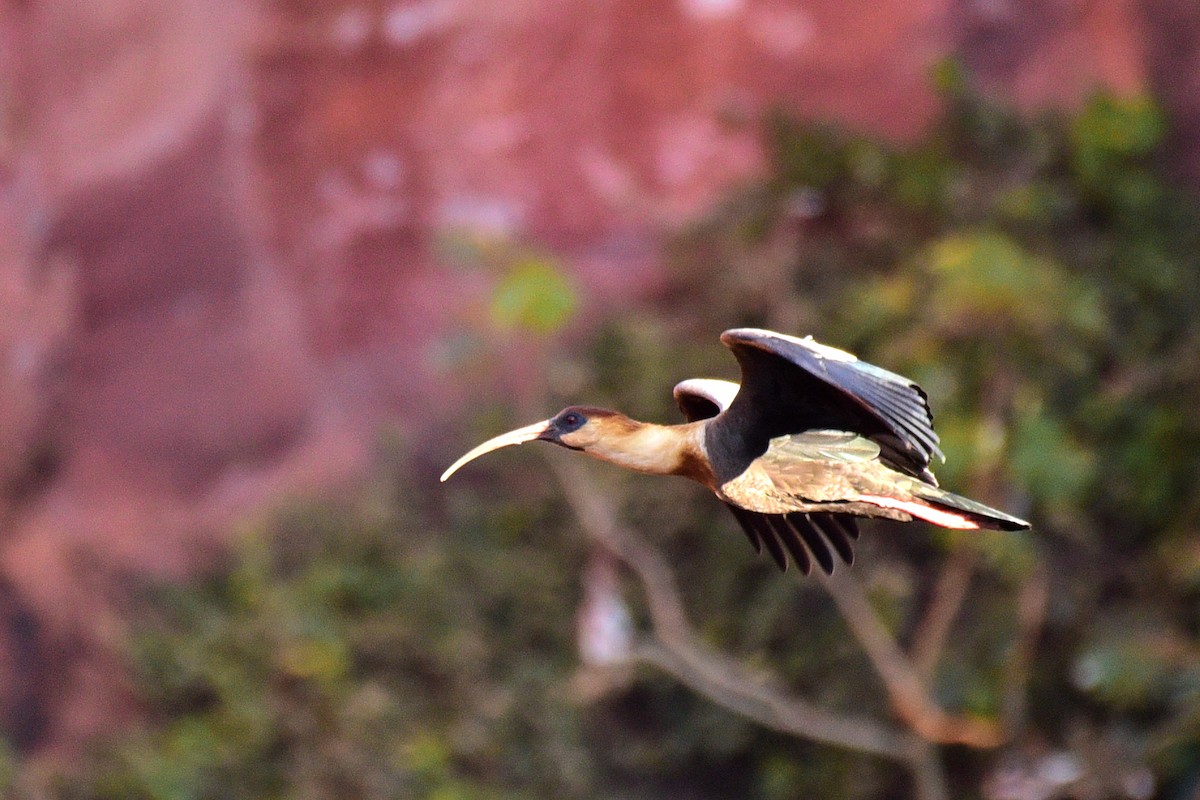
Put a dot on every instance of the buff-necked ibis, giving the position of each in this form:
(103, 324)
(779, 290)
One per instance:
(812, 439)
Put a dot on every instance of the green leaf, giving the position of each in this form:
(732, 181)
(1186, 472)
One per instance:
(986, 277)
(1109, 138)
(1051, 463)
(1129, 664)
(534, 296)
(1132, 126)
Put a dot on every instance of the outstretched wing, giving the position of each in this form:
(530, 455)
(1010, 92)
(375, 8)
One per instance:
(704, 398)
(791, 385)
(806, 537)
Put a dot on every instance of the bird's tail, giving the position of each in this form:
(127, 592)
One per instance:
(947, 509)
(976, 514)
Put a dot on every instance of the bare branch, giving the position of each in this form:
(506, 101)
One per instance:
(748, 696)
(666, 609)
(1032, 600)
(905, 687)
(675, 649)
(948, 596)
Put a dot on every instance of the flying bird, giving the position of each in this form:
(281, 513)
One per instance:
(812, 439)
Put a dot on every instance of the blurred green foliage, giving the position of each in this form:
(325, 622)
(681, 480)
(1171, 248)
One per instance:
(1039, 277)
(535, 296)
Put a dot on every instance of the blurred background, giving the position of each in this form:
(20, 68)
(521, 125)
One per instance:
(266, 268)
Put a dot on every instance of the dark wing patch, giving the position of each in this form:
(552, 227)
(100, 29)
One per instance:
(805, 537)
(773, 544)
(695, 407)
(751, 523)
(812, 537)
(791, 536)
(839, 530)
(790, 385)
(703, 398)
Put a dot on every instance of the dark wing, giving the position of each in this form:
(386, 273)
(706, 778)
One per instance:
(704, 398)
(790, 385)
(806, 537)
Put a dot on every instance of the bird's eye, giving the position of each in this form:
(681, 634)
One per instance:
(571, 420)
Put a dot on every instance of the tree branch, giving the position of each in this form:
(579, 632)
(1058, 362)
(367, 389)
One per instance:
(1032, 600)
(948, 596)
(905, 687)
(745, 694)
(674, 648)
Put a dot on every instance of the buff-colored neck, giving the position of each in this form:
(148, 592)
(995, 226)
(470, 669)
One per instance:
(654, 449)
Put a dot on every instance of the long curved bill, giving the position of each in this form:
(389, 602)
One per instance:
(519, 436)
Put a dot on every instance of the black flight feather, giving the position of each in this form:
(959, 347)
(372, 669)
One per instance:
(790, 385)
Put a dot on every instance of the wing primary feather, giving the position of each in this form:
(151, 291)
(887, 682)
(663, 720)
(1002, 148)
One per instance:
(902, 403)
(912, 414)
(907, 423)
(915, 421)
(747, 523)
(848, 524)
(816, 543)
(908, 395)
(827, 524)
(771, 540)
(792, 542)
(868, 377)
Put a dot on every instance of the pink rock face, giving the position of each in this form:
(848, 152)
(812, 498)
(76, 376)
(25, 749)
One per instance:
(221, 235)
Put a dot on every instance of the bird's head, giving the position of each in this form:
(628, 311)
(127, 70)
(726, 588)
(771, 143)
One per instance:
(575, 427)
